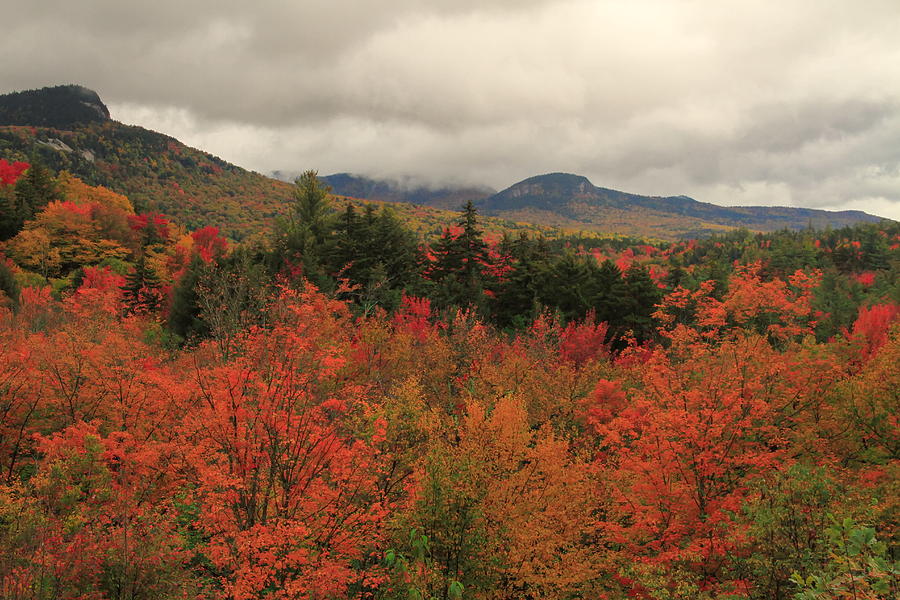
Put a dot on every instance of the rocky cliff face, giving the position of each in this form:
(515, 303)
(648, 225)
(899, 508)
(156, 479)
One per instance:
(61, 107)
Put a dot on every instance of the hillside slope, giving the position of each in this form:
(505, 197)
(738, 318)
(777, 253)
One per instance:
(155, 171)
(68, 128)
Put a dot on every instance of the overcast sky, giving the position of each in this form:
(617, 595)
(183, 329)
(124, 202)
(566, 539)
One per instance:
(787, 102)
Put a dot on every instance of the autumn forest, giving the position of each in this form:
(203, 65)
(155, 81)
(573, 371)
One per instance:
(341, 407)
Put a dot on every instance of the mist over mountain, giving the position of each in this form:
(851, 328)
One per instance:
(445, 197)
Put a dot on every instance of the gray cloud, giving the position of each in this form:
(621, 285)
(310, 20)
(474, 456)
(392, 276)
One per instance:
(736, 102)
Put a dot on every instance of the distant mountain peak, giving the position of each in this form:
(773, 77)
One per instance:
(572, 201)
(551, 185)
(60, 106)
(558, 178)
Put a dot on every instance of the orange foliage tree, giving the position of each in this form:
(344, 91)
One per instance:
(287, 494)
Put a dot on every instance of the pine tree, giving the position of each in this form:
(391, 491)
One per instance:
(459, 271)
(643, 295)
(9, 223)
(568, 284)
(312, 208)
(611, 296)
(33, 191)
(676, 276)
(184, 314)
(9, 289)
(517, 301)
(396, 248)
(142, 288)
(306, 233)
(376, 253)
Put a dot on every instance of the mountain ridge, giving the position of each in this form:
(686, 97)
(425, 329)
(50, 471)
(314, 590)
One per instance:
(570, 200)
(70, 128)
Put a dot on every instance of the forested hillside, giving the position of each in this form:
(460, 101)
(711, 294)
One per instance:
(67, 128)
(155, 171)
(342, 409)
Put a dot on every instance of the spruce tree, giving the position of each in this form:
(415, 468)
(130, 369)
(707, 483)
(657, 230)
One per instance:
(611, 296)
(376, 253)
(642, 297)
(394, 247)
(459, 271)
(9, 289)
(306, 234)
(516, 301)
(184, 314)
(568, 284)
(142, 288)
(33, 191)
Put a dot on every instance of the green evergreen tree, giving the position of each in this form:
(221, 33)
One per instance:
(568, 285)
(9, 213)
(718, 271)
(377, 254)
(874, 248)
(142, 288)
(306, 234)
(459, 272)
(9, 289)
(642, 297)
(790, 251)
(34, 190)
(378, 291)
(184, 315)
(676, 276)
(346, 255)
(517, 301)
(837, 300)
(396, 248)
(610, 299)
